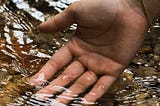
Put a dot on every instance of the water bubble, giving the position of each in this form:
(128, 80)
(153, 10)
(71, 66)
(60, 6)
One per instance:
(60, 89)
(28, 93)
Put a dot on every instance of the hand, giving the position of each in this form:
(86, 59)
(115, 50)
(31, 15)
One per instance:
(108, 35)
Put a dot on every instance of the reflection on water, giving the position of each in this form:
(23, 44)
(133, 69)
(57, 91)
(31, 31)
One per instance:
(24, 50)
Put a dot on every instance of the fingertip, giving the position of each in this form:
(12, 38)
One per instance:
(47, 26)
(40, 27)
(34, 82)
(37, 79)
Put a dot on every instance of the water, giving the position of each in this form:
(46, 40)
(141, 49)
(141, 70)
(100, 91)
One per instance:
(24, 50)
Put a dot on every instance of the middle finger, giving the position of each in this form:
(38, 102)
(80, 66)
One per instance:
(81, 84)
(70, 74)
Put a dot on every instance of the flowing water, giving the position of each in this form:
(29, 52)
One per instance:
(24, 50)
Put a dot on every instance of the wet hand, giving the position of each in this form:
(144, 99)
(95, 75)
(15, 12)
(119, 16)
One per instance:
(108, 35)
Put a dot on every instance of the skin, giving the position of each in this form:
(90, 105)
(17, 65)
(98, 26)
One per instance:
(108, 35)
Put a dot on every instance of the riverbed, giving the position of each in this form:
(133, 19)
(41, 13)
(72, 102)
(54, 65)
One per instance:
(24, 50)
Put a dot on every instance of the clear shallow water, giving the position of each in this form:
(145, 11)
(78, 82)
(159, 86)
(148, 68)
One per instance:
(23, 51)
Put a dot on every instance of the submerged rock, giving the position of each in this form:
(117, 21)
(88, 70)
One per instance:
(15, 86)
(2, 20)
(139, 85)
(145, 71)
(142, 96)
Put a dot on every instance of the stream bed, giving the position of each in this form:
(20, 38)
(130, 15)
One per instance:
(24, 50)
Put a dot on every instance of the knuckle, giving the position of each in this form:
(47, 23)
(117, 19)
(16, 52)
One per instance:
(88, 79)
(90, 76)
(67, 77)
(79, 64)
(53, 63)
(102, 87)
(81, 85)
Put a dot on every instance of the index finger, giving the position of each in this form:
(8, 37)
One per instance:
(56, 62)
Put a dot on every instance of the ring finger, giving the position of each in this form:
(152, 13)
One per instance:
(85, 81)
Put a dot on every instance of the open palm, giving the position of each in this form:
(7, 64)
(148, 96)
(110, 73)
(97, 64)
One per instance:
(108, 35)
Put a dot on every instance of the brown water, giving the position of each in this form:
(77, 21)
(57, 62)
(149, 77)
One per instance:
(24, 50)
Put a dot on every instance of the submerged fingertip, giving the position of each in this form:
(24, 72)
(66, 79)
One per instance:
(32, 82)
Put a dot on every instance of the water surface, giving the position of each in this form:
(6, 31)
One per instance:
(24, 50)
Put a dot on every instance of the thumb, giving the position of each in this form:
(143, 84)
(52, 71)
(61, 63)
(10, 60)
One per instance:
(59, 21)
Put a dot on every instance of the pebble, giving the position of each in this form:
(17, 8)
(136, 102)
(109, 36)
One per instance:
(2, 20)
(156, 58)
(142, 96)
(128, 74)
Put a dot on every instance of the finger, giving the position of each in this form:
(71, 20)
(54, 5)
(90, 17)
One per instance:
(56, 62)
(85, 81)
(71, 73)
(102, 86)
(60, 21)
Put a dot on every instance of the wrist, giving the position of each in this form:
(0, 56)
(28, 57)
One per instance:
(149, 8)
(153, 7)
(137, 6)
